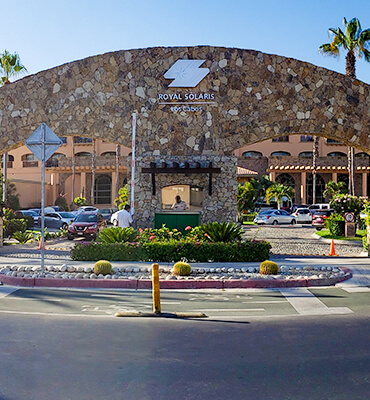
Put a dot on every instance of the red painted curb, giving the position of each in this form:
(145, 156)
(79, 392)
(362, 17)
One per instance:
(174, 284)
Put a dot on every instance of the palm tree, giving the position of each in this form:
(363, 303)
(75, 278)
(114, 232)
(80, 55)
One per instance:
(93, 169)
(334, 188)
(10, 66)
(279, 191)
(357, 43)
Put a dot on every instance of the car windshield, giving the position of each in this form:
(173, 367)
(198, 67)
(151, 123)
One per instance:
(86, 218)
(66, 214)
(322, 212)
(266, 212)
(104, 211)
(29, 212)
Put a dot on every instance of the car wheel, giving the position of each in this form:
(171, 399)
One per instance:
(70, 237)
(318, 229)
(275, 222)
(65, 226)
(294, 221)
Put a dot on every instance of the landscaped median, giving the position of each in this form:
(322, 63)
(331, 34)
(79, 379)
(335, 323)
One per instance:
(217, 276)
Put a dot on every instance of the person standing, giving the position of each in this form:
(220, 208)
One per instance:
(124, 217)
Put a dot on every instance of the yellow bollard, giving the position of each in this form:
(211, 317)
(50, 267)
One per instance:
(155, 289)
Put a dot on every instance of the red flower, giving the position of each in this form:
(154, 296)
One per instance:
(152, 237)
(188, 228)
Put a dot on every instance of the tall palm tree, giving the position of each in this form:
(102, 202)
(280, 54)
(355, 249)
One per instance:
(10, 66)
(355, 42)
(279, 191)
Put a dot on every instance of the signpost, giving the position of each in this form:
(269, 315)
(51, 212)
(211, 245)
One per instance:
(43, 143)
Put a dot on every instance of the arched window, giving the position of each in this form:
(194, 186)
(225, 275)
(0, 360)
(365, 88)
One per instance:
(320, 187)
(10, 161)
(103, 189)
(362, 155)
(83, 154)
(53, 161)
(308, 154)
(252, 154)
(337, 154)
(108, 154)
(280, 154)
(29, 161)
(286, 180)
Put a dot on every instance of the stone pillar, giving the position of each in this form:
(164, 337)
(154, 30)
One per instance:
(114, 180)
(272, 175)
(334, 177)
(364, 184)
(54, 181)
(303, 187)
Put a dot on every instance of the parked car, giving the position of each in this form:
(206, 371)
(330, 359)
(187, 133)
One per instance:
(303, 215)
(319, 217)
(33, 214)
(321, 206)
(275, 217)
(107, 213)
(87, 225)
(87, 209)
(55, 220)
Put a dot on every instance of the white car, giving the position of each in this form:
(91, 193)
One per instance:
(275, 217)
(87, 209)
(303, 215)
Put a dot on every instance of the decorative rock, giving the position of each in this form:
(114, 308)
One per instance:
(71, 268)
(88, 270)
(80, 275)
(93, 276)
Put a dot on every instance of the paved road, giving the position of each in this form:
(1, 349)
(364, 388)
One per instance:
(62, 344)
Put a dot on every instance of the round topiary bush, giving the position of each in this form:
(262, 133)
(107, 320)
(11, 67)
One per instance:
(269, 268)
(103, 267)
(181, 268)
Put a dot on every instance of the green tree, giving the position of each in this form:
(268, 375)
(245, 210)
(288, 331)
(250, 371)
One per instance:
(246, 198)
(355, 42)
(260, 185)
(279, 191)
(10, 66)
(122, 198)
(12, 197)
(334, 188)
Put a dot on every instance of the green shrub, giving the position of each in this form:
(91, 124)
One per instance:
(182, 269)
(222, 231)
(161, 234)
(249, 217)
(29, 221)
(117, 235)
(14, 225)
(269, 268)
(173, 251)
(365, 243)
(103, 267)
(336, 225)
(23, 237)
(61, 202)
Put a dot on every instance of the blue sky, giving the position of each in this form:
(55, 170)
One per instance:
(47, 33)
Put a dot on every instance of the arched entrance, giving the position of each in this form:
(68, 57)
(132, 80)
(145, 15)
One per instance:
(194, 106)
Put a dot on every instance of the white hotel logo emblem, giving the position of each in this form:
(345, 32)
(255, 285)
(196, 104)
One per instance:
(186, 73)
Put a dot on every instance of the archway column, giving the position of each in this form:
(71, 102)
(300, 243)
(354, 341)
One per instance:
(364, 184)
(303, 187)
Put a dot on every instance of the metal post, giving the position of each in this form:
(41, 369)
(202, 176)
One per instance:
(43, 201)
(155, 289)
(133, 163)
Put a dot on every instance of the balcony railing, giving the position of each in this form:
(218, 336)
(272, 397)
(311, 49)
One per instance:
(30, 164)
(104, 161)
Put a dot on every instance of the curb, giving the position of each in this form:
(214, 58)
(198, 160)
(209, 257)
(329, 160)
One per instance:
(137, 284)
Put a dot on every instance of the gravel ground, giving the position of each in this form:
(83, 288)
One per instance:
(300, 240)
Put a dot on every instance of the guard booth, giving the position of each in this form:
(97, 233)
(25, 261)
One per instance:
(193, 195)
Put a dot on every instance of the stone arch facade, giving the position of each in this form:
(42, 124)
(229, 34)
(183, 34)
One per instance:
(244, 97)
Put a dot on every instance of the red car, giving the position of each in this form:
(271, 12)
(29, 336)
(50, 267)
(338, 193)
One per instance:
(87, 225)
(319, 217)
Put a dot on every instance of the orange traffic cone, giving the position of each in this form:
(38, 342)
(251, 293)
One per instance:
(332, 248)
(40, 245)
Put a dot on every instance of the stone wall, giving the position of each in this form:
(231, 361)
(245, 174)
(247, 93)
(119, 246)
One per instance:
(246, 97)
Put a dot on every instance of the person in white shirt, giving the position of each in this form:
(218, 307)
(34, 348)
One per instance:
(179, 204)
(124, 218)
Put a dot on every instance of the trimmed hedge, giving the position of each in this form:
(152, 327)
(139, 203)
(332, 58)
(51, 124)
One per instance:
(250, 250)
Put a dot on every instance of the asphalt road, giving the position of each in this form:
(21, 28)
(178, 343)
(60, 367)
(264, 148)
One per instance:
(255, 344)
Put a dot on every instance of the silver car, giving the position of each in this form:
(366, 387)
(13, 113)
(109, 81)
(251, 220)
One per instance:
(275, 217)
